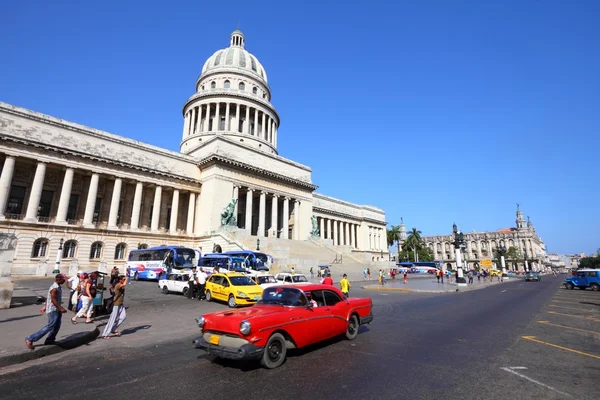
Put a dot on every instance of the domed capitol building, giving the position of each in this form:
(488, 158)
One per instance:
(96, 195)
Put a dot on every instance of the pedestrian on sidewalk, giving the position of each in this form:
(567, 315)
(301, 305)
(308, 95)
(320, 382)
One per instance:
(118, 314)
(114, 276)
(73, 284)
(405, 277)
(87, 294)
(54, 310)
(312, 272)
(437, 275)
(470, 275)
(328, 280)
(345, 286)
(365, 273)
(478, 276)
(369, 273)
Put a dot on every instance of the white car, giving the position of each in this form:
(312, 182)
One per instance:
(174, 283)
(264, 280)
(287, 278)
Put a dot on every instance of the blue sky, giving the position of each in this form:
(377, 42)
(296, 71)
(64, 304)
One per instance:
(435, 111)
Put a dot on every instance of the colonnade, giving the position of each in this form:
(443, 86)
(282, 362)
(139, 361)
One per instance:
(37, 186)
(230, 117)
(341, 232)
(475, 248)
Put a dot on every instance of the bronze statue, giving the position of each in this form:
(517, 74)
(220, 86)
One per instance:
(315, 227)
(227, 216)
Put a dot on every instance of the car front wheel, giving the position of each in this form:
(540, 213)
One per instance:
(353, 327)
(185, 291)
(231, 301)
(595, 287)
(275, 352)
(570, 286)
(165, 289)
(208, 296)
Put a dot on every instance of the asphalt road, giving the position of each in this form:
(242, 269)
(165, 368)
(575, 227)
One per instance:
(450, 346)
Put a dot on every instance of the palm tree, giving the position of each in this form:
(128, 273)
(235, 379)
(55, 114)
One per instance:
(414, 240)
(393, 236)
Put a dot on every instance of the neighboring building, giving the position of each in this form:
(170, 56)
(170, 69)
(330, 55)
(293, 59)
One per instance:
(555, 261)
(105, 194)
(481, 245)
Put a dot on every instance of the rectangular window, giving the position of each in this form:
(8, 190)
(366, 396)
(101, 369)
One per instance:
(72, 209)
(15, 200)
(45, 204)
(97, 209)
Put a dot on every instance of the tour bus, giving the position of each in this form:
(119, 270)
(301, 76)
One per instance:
(151, 263)
(223, 262)
(419, 267)
(254, 260)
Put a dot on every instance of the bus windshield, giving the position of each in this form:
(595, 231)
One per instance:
(262, 259)
(185, 258)
(237, 264)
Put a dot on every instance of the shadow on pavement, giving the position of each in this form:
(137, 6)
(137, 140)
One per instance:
(20, 318)
(582, 302)
(129, 331)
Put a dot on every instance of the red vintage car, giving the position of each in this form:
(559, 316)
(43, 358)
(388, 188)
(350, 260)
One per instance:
(286, 317)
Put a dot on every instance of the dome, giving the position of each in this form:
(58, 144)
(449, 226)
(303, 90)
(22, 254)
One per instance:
(235, 57)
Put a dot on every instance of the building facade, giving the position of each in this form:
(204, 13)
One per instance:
(104, 194)
(482, 245)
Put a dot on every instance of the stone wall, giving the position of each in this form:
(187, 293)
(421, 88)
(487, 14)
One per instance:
(8, 243)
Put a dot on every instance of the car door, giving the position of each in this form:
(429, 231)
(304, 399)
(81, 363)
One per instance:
(171, 282)
(580, 280)
(318, 318)
(217, 287)
(337, 308)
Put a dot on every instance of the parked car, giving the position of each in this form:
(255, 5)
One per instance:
(532, 276)
(264, 280)
(236, 289)
(287, 278)
(584, 278)
(286, 317)
(175, 282)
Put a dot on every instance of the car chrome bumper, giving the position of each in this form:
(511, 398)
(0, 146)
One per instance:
(244, 352)
(366, 320)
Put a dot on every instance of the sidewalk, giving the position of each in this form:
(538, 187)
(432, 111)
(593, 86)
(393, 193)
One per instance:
(24, 318)
(431, 285)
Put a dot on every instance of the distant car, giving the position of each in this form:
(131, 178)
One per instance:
(174, 283)
(287, 316)
(532, 276)
(236, 289)
(288, 279)
(584, 278)
(264, 280)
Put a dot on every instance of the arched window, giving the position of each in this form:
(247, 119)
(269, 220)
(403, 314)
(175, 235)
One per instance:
(142, 246)
(227, 84)
(96, 251)
(120, 251)
(242, 86)
(254, 90)
(213, 84)
(202, 87)
(40, 248)
(69, 249)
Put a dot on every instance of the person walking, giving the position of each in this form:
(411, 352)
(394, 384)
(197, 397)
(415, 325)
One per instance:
(470, 275)
(312, 272)
(54, 310)
(328, 280)
(87, 294)
(118, 314)
(201, 282)
(191, 282)
(73, 284)
(437, 275)
(369, 273)
(405, 277)
(114, 276)
(478, 276)
(345, 286)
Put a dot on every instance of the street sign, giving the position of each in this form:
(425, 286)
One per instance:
(486, 262)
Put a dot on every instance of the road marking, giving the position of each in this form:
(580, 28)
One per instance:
(503, 291)
(568, 327)
(533, 339)
(534, 381)
(571, 308)
(575, 316)
(566, 302)
(517, 367)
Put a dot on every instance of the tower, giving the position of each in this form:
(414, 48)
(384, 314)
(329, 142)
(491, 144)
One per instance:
(521, 224)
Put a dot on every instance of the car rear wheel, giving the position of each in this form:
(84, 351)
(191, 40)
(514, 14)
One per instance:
(353, 327)
(275, 352)
(208, 295)
(165, 289)
(231, 301)
(595, 287)
(185, 291)
(570, 286)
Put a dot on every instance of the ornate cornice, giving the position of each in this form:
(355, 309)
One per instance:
(217, 159)
(347, 216)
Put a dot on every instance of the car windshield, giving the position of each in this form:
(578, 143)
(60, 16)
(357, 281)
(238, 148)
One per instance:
(281, 296)
(265, 279)
(241, 281)
(299, 278)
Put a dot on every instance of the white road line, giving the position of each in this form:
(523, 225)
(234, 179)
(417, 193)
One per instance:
(503, 291)
(509, 369)
(517, 367)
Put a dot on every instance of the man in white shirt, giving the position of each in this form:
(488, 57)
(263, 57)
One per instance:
(200, 282)
(72, 284)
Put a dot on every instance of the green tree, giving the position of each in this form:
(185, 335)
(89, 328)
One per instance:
(393, 236)
(590, 262)
(414, 239)
(424, 253)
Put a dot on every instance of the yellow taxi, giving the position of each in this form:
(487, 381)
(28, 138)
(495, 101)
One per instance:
(495, 272)
(234, 288)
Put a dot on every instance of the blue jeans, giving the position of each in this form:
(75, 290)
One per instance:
(54, 318)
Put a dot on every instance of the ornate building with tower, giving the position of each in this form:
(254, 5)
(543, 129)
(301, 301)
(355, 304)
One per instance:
(103, 194)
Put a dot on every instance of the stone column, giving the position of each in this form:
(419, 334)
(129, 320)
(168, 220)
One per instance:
(274, 224)
(90, 202)
(322, 228)
(236, 127)
(227, 117)
(204, 126)
(65, 196)
(186, 124)
(190, 215)
(286, 218)
(114, 204)
(263, 130)
(5, 183)
(137, 204)
(328, 236)
(156, 209)
(198, 215)
(269, 129)
(36, 192)
(256, 133)
(296, 232)
(193, 121)
(261, 214)
(174, 212)
(275, 136)
(236, 196)
(247, 121)
(346, 234)
(336, 241)
(217, 118)
(352, 236)
(248, 223)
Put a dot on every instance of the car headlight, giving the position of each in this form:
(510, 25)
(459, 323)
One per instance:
(200, 321)
(242, 295)
(245, 327)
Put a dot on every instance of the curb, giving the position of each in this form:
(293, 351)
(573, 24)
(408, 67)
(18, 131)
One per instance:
(18, 357)
(373, 287)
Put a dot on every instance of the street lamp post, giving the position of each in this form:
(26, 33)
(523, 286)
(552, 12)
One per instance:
(257, 244)
(58, 257)
(502, 252)
(459, 242)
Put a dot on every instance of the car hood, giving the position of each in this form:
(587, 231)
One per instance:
(229, 321)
